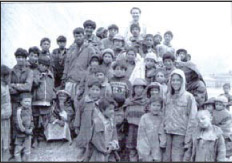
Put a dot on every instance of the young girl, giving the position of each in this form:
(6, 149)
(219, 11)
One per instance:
(104, 141)
(147, 46)
(180, 113)
(151, 137)
(135, 108)
(107, 59)
(207, 142)
(62, 118)
(223, 119)
(160, 78)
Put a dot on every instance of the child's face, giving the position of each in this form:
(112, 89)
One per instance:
(26, 103)
(79, 38)
(42, 67)
(135, 32)
(209, 107)
(176, 82)
(154, 92)
(149, 41)
(45, 45)
(119, 71)
(219, 106)
(112, 32)
(204, 120)
(33, 57)
(155, 107)
(94, 92)
(149, 63)
(182, 55)
(167, 38)
(21, 60)
(160, 77)
(94, 63)
(61, 45)
(226, 89)
(107, 58)
(168, 63)
(89, 30)
(100, 76)
(200, 98)
(138, 90)
(118, 44)
(62, 97)
(109, 112)
(131, 56)
(157, 39)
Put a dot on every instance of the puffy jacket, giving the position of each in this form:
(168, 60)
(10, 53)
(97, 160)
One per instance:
(44, 89)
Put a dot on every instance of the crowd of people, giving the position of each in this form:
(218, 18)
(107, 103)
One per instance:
(119, 98)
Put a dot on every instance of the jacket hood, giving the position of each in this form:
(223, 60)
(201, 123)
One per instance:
(183, 85)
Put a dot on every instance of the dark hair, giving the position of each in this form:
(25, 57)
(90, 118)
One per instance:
(131, 48)
(149, 35)
(61, 39)
(105, 102)
(134, 26)
(154, 99)
(44, 60)
(78, 30)
(120, 63)
(113, 26)
(93, 81)
(21, 52)
(169, 32)
(34, 49)
(89, 23)
(44, 39)
(136, 8)
(149, 90)
(169, 55)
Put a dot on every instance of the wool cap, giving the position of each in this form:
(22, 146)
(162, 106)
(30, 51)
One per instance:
(139, 81)
(20, 52)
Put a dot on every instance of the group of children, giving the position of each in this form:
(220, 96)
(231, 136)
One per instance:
(117, 98)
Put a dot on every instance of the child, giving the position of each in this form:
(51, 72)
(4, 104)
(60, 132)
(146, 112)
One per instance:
(134, 109)
(107, 59)
(6, 112)
(169, 66)
(157, 40)
(136, 39)
(102, 33)
(223, 119)
(209, 105)
(151, 139)
(24, 126)
(43, 95)
(83, 119)
(147, 47)
(45, 44)
(130, 60)
(150, 67)
(58, 56)
(118, 45)
(108, 42)
(160, 78)
(179, 119)
(33, 57)
(207, 142)
(121, 87)
(104, 140)
(181, 55)
(226, 89)
(106, 90)
(154, 90)
(62, 118)
(166, 46)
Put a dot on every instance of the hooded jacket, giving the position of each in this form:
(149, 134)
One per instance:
(180, 111)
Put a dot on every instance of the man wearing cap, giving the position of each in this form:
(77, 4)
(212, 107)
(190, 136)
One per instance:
(166, 46)
(58, 57)
(21, 79)
(77, 62)
(108, 42)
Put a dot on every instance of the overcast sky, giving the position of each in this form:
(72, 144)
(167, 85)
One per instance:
(204, 29)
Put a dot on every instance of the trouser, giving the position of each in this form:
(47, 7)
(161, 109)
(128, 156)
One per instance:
(22, 145)
(131, 142)
(175, 148)
(72, 88)
(5, 139)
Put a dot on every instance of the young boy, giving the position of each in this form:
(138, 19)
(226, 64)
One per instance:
(45, 44)
(104, 139)
(58, 56)
(180, 114)
(209, 105)
(43, 95)
(223, 119)
(147, 47)
(166, 47)
(24, 126)
(130, 60)
(169, 64)
(154, 90)
(226, 89)
(108, 42)
(151, 139)
(83, 119)
(118, 45)
(121, 89)
(157, 40)
(160, 78)
(207, 142)
(181, 55)
(107, 59)
(136, 39)
(150, 67)
(33, 57)
(6, 112)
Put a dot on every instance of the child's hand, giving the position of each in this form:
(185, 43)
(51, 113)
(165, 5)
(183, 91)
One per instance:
(28, 131)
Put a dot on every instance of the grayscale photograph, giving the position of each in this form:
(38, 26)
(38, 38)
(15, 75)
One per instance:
(116, 81)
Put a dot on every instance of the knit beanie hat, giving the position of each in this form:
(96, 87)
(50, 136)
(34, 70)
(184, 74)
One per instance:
(110, 51)
(139, 81)
(151, 55)
(20, 52)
